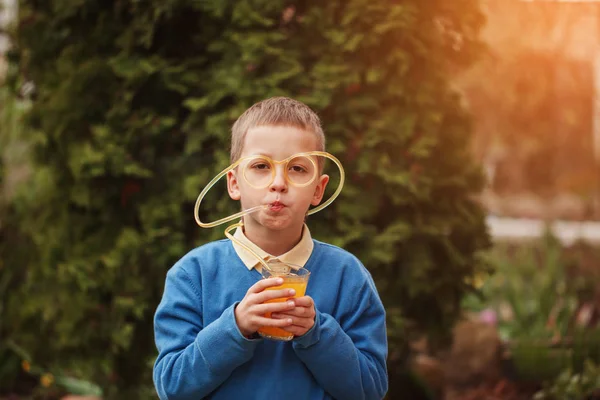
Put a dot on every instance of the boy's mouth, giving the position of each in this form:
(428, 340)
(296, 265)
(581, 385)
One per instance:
(276, 206)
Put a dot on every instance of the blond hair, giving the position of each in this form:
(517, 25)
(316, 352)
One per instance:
(275, 111)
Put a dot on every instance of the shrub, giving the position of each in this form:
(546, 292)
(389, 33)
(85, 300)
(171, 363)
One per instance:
(131, 108)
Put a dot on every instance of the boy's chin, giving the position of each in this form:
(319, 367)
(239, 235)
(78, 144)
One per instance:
(278, 223)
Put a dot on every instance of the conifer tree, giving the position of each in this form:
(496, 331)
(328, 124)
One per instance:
(131, 113)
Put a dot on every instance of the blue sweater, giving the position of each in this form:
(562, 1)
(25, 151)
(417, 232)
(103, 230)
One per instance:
(202, 353)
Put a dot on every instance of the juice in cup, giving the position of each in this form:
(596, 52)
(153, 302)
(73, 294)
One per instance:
(296, 279)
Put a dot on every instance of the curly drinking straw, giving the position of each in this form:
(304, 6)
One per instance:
(259, 168)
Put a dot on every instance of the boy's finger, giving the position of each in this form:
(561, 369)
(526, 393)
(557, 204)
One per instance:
(279, 323)
(284, 306)
(296, 321)
(295, 330)
(273, 294)
(299, 311)
(304, 301)
(265, 283)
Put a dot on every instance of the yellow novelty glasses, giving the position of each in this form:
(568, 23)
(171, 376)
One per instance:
(259, 172)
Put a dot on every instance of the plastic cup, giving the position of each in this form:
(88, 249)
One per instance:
(294, 277)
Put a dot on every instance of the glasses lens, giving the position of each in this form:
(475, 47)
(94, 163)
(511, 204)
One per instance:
(258, 171)
(301, 170)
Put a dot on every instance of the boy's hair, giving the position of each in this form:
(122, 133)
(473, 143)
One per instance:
(275, 111)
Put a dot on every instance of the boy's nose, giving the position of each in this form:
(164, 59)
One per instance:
(279, 183)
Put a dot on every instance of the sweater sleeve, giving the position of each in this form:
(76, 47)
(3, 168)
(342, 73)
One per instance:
(193, 359)
(348, 359)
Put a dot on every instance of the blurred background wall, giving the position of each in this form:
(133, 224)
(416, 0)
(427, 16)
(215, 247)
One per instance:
(532, 97)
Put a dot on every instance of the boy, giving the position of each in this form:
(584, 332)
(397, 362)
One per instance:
(214, 297)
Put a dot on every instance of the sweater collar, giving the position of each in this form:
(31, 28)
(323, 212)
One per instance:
(298, 255)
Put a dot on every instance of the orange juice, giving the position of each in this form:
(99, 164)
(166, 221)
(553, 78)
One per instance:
(298, 283)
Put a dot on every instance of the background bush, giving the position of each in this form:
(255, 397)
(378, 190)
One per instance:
(131, 108)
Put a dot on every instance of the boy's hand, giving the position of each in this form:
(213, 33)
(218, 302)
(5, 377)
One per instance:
(303, 316)
(250, 312)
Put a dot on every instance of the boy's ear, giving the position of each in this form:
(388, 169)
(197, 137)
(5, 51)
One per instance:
(320, 190)
(232, 186)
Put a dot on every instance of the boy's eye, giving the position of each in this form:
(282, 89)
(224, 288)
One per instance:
(260, 166)
(298, 168)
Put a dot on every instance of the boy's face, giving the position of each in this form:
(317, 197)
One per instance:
(287, 203)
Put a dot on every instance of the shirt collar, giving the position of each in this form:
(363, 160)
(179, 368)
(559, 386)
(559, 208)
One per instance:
(298, 255)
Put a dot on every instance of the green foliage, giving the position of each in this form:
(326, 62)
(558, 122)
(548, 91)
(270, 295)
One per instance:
(529, 292)
(567, 369)
(131, 109)
(14, 353)
(535, 294)
(10, 368)
(11, 236)
(535, 361)
(571, 385)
